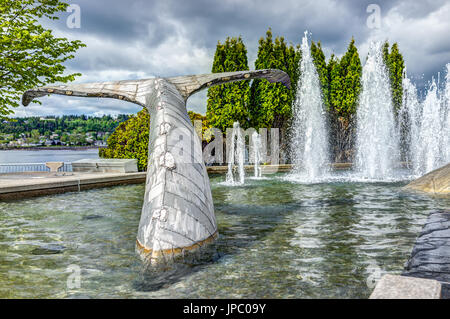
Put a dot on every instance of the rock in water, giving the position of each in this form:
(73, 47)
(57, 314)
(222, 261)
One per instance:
(89, 217)
(50, 249)
(435, 182)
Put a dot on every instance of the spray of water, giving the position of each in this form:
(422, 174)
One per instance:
(309, 144)
(236, 160)
(257, 147)
(425, 126)
(377, 142)
(446, 118)
(409, 121)
(428, 157)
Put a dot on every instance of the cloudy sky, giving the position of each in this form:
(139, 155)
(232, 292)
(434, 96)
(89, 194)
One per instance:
(130, 39)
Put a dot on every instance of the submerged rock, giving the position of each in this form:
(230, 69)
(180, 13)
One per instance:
(435, 182)
(50, 249)
(88, 217)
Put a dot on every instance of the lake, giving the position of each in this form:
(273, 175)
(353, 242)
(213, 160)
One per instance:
(43, 156)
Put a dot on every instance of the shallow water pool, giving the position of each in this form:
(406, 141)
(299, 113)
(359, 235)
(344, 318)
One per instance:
(278, 239)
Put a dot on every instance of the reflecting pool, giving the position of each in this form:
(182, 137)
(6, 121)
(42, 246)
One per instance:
(278, 239)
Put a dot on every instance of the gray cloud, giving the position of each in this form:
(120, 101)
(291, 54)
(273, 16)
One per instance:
(137, 38)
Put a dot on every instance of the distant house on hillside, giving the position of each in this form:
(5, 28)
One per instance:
(100, 143)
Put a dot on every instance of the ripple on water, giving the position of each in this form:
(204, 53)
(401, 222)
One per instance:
(278, 239)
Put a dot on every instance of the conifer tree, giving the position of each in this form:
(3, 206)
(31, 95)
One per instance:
(351, 65)
(271, 103)
(345, 87)
(335, 84)
(228, 103)
(395, 66)
(385, 53)
(322, 70)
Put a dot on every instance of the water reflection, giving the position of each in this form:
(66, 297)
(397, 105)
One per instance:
(278, 239)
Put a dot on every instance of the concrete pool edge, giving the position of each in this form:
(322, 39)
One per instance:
(24, 185)
(33, 186)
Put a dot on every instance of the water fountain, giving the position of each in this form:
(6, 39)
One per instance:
(446, 118)
(409, 121)
(178, 211)
(236, 157)
(429, 138)
(427, 126)
(257, 146)
(309, 144)
(377, 143)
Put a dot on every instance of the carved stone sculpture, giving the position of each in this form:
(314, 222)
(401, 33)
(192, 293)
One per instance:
(178, 212)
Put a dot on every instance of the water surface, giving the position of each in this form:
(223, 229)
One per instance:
(43, 156)
(278, 239)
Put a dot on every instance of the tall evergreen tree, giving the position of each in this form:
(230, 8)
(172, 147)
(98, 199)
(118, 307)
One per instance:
(345, 86)
(322, 69)
(335, 96)
(228, 103)
(396, 71)
(395, 66)
(271, 103)
(385, 53)
(351, 73)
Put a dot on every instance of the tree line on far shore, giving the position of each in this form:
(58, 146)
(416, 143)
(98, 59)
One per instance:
(68, 129)
(260, 104)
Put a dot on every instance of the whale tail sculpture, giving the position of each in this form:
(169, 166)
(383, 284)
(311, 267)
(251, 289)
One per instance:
(178, 212)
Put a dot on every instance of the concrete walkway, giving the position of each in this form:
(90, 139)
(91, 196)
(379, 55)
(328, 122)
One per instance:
(29, 184)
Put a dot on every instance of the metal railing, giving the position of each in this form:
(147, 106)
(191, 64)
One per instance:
(30, 167)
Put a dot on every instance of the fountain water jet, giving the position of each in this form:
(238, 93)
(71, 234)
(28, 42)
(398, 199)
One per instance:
(409, 124)
(428, 157)
(237, 156)
(377, 143)
(446, 117)
(257, 146)
(309, 143)
(425, 126)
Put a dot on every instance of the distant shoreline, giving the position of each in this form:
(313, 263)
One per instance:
(42, 148)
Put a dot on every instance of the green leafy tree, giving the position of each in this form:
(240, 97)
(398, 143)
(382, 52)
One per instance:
(63, 124)
(271, 103)
(130, 140)
(65, 138)
(228, 103)
(30, 55)
(35, 136)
